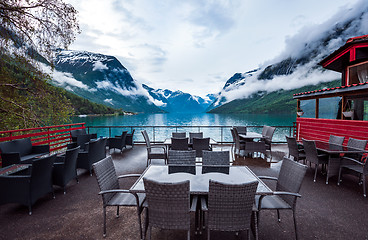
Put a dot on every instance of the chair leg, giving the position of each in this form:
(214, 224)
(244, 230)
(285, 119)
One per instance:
(363, 180)
(104, 224)
(278, 215)
(188, 235)
(117, 211)
(208, 234)
(140, 223)
(254, 225)
(339, 179)
(295, 226)
(29, 209)
(315, 172)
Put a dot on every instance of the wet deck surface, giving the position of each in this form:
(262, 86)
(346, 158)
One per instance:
(323, 212)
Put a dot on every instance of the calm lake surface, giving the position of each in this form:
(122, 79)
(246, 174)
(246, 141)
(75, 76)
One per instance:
(207, 124)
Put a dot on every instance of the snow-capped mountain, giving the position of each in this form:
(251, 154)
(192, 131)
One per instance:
(102, 79)
(179, 101)
(298, 65)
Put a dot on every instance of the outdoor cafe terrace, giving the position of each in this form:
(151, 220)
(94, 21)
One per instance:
(323, 212)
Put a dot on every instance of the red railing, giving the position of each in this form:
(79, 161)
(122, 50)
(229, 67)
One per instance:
(320, 129)
(56, 136)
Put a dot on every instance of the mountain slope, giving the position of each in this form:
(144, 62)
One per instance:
(101, 79)
(298, 65)
(178, 101)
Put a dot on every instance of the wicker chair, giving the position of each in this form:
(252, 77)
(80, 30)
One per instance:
(195, 135)
(288, 185)
(238, 146)
(179, 134)
(229, 207)
(129, 139)
(313, 156)
(356, 163)
(112, 194)
(118, 142)
(27, 189)
(200, 144)
(216, 158)
(181, 157)
(65, 168)
(297, 153)
(169, 205)
(154, 151)
(268, 137)
(96, 151)
(241, 129)
(336, 140)
(82, 140)
(179, 144)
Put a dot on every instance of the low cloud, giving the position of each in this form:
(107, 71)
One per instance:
(98, 66)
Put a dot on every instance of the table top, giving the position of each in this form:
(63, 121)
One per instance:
(5, 171)
(168, 141)
(199, 177)
(251, 135)
(335, 148)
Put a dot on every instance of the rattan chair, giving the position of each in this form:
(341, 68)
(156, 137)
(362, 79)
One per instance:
(154, 151)
(195, 135)
(241, 129)
(295, 151)
(179, 144)
(27, 189)
(112, 194)
(312, 155)
(169, 205)
(95, 151)
(181, 157)
(82, 140)
(65, 168)
(200, 144)
(355, 163)
(288, 185)
(268, 137)
(238, 146)
(216, 158)
(118, 142)
(336, 140)
(179, 134)
(129, 140)
(229, 207)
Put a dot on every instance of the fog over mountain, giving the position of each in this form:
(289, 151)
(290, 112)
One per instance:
(297, 65)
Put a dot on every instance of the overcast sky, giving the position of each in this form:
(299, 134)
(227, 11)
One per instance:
(194, 45)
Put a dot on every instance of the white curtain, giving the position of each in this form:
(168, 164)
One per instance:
(362, 72)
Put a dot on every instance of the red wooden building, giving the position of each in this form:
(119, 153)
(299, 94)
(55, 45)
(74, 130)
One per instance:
(347, 104)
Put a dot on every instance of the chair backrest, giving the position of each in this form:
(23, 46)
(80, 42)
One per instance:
(181, 157)
(241, 129)
(82, 139)
(310, 150)
(292, 146)
(200, 144)
(97, 150)
(23, 146)
(230, 206)
(41, 176)
(179, 134)
(290, 179)
(216, 158)
(356, 143)
(75, 133)
(168, 204)
(179, 144)
(264, 130)
(270, 132)
(106, 177)
(195, 135)
(70, 162)
(124, 134)
(146, 139)
(336, 140)
(236, 140)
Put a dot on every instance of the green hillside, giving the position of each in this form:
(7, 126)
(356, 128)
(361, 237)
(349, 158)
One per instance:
(275, 102)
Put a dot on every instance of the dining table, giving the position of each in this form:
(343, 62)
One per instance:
(14, 169)
(167, 142)
(334, 152)
(250, 136)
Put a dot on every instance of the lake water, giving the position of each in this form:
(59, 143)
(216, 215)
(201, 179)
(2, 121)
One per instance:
(206, 121)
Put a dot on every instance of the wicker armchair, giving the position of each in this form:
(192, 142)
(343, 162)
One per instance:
(200, 144)
(179, 134)
(295, 151)
(195, 135)
(229, 207)
(118, 142)
(238, 149)
(287, 190)
(216, 158)
(94, 153)
(336, 140)
(129, 140)
(65, 168)
(27, 189)
(313, 156)
(356, 163)
(154, 151)
(82, 140)
(169, 205)
(241, 129)
(181, 157)
(179, 143)
(112, 194)
(268, 138)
